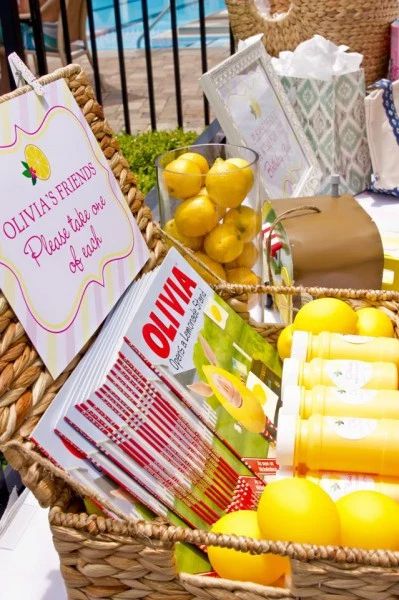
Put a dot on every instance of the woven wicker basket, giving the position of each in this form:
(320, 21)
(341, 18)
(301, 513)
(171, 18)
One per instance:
(120, 560)
(363, 25)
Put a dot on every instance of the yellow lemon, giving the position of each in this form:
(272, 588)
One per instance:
(242, 566)
(214, 266)
(183, 178)
(247, 258)
(199, 160)
(226, 184)
(284, 342)
(326, 314)
(369, 520)
(196, 216)
(37, 160)
(247, 221)
(374, 322)
(223, 243)
(242, 275)
(243, 164)
(220, 210)
(297, 510)
(194, 243)
(240, 402)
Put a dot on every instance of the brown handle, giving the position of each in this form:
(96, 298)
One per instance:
(247, 20)
(287, 214)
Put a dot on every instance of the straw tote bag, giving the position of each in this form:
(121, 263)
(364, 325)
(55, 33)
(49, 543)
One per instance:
(363, 25)
(382, 122)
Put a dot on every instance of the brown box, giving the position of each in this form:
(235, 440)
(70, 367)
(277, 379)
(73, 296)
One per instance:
(340, 246)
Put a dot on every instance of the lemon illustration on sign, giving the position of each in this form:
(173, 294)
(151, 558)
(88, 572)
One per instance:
(183, 178)
(36, 165)
(247, 258)
(199, 160)
(243, 276)
(223, 243)
(237, 399)
(373, 322)
(247, 221)
(242, 566)
(214, 266)
(196, 216)
(194, 243)
(227, 185)
(255, 108)
(244, 165)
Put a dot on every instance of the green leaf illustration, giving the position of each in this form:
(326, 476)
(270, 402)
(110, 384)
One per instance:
(27, 173)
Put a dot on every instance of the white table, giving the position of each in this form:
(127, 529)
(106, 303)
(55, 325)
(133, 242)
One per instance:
(29, 564)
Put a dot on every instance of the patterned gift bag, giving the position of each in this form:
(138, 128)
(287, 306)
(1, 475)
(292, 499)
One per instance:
(333, 117)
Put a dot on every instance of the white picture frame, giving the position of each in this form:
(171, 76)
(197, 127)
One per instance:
(253, 110)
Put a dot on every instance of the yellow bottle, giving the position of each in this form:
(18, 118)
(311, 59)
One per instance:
(306, 346)
(340, 484)
(343, 374)
(338, 444)
(331, 402)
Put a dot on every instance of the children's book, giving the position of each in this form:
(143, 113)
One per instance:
(173, 410)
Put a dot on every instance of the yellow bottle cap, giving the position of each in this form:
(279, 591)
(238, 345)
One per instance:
(285, 445)
(299, 348)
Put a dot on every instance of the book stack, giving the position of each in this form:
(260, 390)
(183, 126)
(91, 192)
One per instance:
(172, 411)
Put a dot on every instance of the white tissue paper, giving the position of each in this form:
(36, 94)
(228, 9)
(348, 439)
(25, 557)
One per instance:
(317, 58)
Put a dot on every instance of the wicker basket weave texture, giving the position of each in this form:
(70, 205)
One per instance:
(363, 25)
(104, 558)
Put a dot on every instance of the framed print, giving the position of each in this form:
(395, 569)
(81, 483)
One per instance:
(253, 110)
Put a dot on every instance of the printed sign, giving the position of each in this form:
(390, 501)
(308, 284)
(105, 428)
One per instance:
(253, 110)
(69, 244)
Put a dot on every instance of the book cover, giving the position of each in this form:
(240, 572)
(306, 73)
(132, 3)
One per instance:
(224, 365)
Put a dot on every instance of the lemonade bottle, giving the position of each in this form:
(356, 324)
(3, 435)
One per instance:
(306, 346)
(343, 374)
(331, 402)
(339, 444)
(339, 484)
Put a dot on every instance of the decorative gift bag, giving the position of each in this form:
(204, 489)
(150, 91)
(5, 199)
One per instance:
(363, 25)
(383, 135)
(332, 115)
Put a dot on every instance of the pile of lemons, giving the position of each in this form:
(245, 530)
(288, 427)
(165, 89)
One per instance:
(335, 316)
(210, 218)
(297, 510)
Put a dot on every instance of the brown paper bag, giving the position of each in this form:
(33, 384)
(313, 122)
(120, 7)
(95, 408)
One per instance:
(340, 246)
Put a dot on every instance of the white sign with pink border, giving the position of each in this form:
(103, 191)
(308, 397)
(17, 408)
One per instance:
(69, 246)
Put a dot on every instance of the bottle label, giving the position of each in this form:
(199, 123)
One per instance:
(349, 374)
(338, 486)
(355, 396)
(357, 339)
(352, 429)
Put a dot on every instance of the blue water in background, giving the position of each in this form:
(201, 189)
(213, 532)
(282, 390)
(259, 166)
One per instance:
(131, 16)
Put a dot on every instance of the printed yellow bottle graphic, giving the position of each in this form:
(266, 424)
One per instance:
(36, 164)
(239, 401)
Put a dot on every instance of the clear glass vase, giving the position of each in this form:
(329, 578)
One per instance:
(209, 201)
